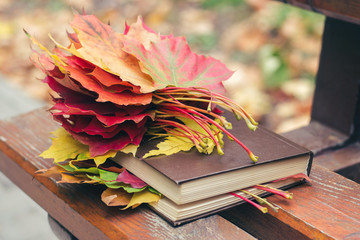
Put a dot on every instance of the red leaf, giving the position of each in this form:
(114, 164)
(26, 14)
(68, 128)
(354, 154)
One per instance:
(108, 80)
(74, 40)
(131, 179)
(131, 133)
(123, 98)
(65, 87)
(104, 112)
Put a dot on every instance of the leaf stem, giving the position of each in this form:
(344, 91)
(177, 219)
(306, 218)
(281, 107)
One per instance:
(261, 208)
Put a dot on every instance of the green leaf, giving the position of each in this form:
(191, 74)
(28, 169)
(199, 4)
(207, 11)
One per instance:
(109, 179)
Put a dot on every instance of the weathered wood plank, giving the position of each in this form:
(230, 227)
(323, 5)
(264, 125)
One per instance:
(344, 10)
(345, 161)
(332, 147)
(329, 208)
(317, 137)
(78, 207)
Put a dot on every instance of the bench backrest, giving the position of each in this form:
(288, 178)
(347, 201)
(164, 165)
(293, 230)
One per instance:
(337, 95)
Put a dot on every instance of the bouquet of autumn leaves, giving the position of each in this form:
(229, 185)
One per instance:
(115, 89)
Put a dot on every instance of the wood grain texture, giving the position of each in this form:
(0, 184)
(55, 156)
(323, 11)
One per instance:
(345, 161)
(317, 137)
(346, 10)
(78, 207)
(335, 210)
(335, 151)
(329, 208)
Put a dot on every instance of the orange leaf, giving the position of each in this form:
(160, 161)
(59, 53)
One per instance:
(116, 197)
(141, 33)
(63, 176)
(102, 46)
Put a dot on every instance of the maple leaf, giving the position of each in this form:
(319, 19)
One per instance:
(141, 33)
(56, 59)
(126, 97)
(130, 133)
(131, 148)
(65, 147)
(112, 81)
(170, 62)
(131, 179)
(176, 143)
(103, 47)
(64, 176)
(145, 196)
(73, 164)
(106, 113)
(116, 197)
(171, 145)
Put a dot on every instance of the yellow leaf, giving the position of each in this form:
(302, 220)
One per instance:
(170, 146)
(56, 58)
(208, 142)
(102, 158)
(65, 147)
(144, 196)
(131, 148)
(174, 144)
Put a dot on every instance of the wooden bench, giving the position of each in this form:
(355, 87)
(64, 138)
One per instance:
(329, 208)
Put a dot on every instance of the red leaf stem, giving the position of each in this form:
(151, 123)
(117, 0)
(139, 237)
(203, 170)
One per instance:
(284, 194)
(254, 158)
(208, 131)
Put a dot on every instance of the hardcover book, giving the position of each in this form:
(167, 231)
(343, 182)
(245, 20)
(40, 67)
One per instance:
(179, 214)
(190, 179)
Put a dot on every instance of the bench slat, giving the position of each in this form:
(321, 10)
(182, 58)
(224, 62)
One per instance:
(345, 161)
(344, 10)
(317, 137)
(328, 209)
(78, 207)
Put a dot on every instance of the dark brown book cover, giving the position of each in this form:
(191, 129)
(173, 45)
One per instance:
(267, 145)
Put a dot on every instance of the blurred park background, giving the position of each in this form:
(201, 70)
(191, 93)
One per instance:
(274, 49)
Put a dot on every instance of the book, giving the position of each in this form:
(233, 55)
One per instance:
(179, 214)
(187, 177)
